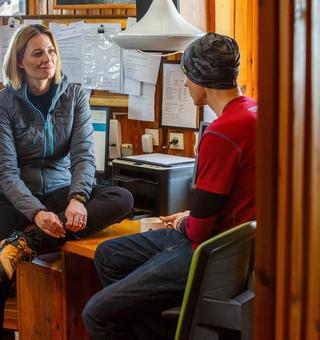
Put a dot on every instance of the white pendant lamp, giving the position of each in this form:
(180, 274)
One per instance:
(162, 28)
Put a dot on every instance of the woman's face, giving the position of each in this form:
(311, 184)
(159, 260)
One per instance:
(39, 59)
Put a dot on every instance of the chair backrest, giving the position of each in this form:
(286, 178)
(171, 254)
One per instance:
(220, 270)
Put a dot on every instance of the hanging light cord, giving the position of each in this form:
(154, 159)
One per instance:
(159, 54)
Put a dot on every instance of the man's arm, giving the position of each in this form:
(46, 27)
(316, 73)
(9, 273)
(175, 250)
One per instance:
(204, 207)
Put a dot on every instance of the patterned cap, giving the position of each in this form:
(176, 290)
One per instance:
(212, 61)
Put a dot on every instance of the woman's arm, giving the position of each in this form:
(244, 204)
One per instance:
(11, 184)
(82, 147)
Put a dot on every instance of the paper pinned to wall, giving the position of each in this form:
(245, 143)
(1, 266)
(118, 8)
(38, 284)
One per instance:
(132, 87)
(6, 33)
(178, 109)
(142, 107)
(101, 57)
(69, 42)
(140, 66)
(32, 22)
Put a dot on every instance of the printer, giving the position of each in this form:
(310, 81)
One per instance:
(160, 184)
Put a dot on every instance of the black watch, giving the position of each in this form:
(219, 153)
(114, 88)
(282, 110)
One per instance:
(79, 197)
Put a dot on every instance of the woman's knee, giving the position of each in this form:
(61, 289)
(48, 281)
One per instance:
(124, 198)
(120, 196)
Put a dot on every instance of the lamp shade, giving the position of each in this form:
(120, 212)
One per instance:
(162, 28)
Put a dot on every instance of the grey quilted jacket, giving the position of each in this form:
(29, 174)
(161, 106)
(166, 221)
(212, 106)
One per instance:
(38, 156)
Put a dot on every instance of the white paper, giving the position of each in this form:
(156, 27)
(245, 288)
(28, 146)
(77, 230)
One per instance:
(161, 159)
(6, 33)
(208, 114)
(142, 107)
(140, 66)
(178, 108)
(69, 43)
(32, 22)
(101, 57)
(132, 87)
(99, 137)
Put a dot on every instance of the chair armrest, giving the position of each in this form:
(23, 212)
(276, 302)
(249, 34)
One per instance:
(227, 314)
(245, 297)
(171, 313)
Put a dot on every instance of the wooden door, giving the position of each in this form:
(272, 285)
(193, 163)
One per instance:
(288, 179)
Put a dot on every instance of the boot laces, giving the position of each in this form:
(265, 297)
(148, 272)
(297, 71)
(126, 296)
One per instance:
(21, 252)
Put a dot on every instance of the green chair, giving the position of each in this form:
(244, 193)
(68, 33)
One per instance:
(218, 295)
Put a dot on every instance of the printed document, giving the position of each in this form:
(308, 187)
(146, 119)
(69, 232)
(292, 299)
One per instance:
(141, 66)
(177, 105)
(69, 43)
(142, 107)
(6, 32)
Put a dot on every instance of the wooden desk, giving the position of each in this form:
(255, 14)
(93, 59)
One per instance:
(88, 246)
(80, 280)
(40, 298)
(51, 292)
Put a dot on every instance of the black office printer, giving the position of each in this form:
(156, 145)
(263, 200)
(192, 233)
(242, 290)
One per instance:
(159, 183)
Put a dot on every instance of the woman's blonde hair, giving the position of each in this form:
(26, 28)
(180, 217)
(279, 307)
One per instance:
(12, 73)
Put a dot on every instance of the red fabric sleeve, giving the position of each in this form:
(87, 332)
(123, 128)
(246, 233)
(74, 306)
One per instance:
(199, 230)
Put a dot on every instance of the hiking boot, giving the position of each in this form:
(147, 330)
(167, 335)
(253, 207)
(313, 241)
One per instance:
(13, 251)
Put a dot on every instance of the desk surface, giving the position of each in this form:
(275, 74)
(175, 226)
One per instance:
(88, 246)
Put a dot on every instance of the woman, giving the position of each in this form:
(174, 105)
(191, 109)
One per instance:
(47, 163)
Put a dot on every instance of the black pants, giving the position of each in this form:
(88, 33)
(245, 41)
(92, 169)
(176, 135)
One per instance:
(107, 206)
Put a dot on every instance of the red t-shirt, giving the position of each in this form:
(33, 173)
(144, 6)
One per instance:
(226, 166)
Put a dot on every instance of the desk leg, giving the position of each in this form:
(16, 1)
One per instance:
(80, 282)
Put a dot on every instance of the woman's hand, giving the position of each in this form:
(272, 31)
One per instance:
(76, 215)
(50, 223)
(175, 218)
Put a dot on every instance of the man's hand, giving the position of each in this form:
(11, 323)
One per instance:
(50, 223)
(175, 218)
(76, 215)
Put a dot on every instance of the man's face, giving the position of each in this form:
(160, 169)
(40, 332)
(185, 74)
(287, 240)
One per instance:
(197, 92)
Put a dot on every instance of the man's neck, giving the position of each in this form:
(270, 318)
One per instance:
(218, 99)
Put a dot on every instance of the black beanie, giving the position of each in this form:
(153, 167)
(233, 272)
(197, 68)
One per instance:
(212, 61)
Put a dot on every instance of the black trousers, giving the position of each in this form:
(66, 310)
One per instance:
(106, 206)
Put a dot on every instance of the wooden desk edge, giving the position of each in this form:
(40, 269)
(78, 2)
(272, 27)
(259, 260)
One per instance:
(87, 247)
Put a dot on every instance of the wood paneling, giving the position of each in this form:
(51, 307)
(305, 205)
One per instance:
(210, 15)
(287, 253)
(267, 155)
(312, 315)
(10, 317)
(194, 11)
(225, 17)
(238, 19)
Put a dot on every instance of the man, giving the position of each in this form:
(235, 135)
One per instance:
(146, 273)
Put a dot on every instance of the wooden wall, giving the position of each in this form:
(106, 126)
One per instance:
(236, 18)
(288, 186)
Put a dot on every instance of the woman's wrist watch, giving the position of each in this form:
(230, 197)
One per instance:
(79, 197)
